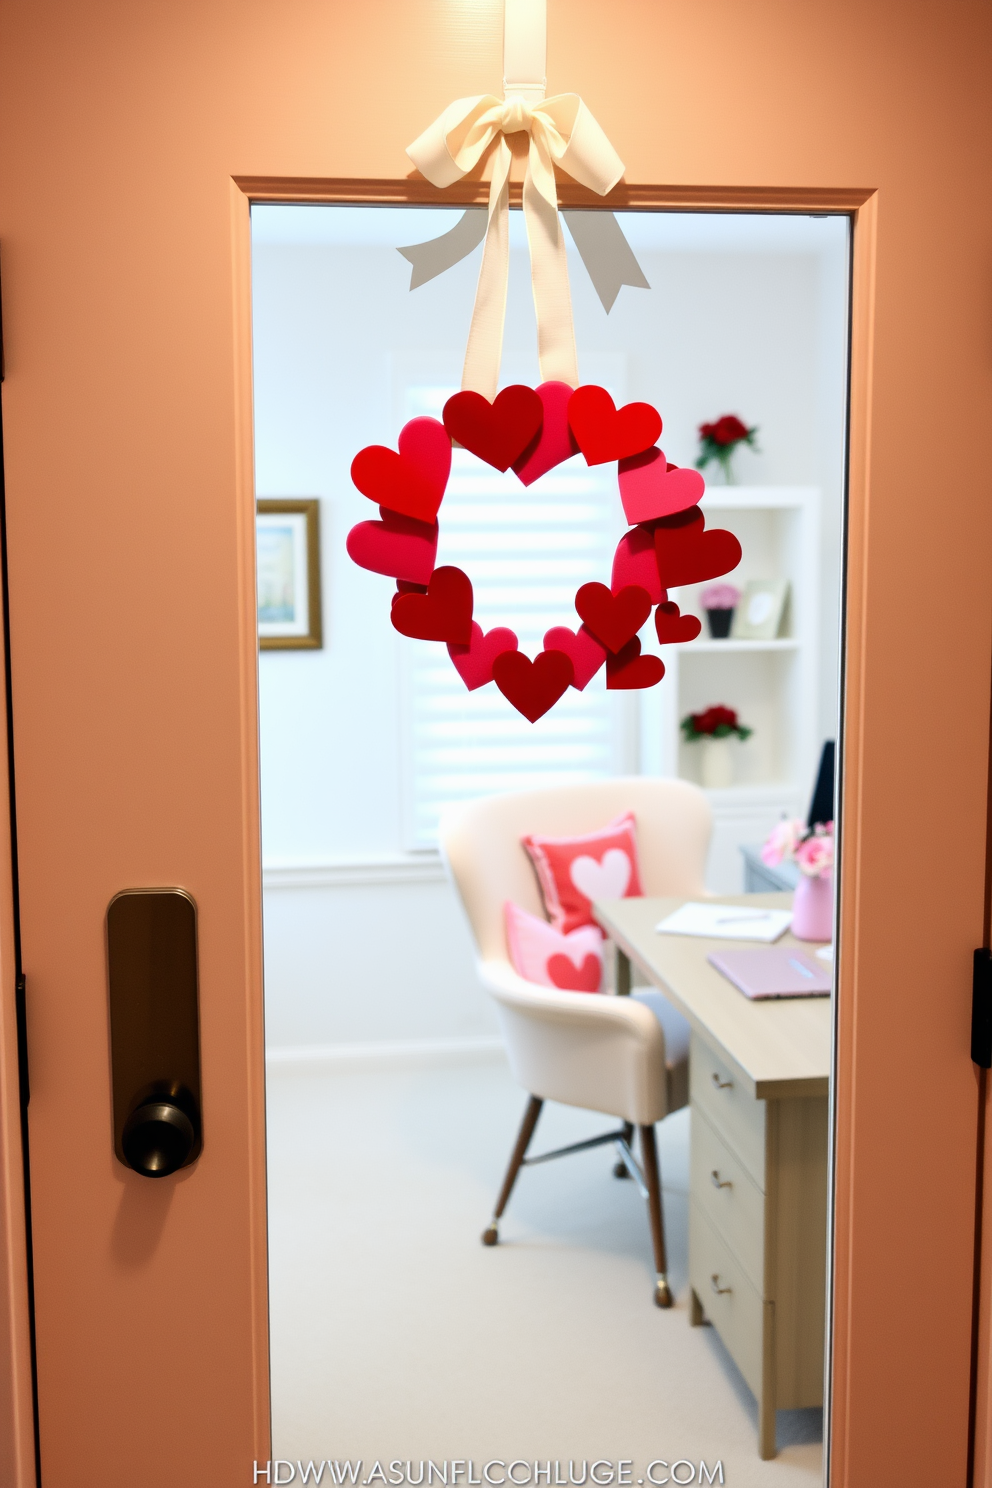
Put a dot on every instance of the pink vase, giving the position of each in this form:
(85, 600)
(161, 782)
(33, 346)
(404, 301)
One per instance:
(813, 908)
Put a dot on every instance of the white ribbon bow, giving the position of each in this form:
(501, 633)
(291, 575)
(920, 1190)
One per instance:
(562, 131)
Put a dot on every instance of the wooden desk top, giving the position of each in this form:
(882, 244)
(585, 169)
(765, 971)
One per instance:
(781, 1046)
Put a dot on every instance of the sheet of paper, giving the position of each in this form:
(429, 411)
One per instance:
(726, 922)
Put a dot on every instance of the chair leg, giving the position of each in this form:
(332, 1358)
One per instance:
(620, 1168)
(649, 1163)
(490, 1234)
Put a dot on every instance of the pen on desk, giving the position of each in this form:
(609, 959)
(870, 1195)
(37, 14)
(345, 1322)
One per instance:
(754, 914)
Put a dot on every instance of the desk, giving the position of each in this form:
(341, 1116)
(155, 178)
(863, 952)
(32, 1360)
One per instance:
(758, 1080)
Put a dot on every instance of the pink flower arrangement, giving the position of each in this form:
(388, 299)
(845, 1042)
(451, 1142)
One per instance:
(720, 597)
(815, 855)
(811, 851)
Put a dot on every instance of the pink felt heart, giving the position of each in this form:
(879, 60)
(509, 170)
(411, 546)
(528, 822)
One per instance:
(649, 488)
(586, 653)
(413, 481)
(636, 562)
(555, 441)
(398, 546)
(474, 662)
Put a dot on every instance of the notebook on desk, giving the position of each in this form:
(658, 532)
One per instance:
(775, 971)
(726, 922)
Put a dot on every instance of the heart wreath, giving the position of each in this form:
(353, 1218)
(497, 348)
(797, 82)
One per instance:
(531, 431)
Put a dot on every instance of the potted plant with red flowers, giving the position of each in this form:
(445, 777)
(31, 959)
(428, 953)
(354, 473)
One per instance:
(714, 728)
(717, 441)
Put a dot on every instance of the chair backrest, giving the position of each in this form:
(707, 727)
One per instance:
(481, 842)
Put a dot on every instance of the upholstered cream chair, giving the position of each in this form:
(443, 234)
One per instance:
(627, 1055)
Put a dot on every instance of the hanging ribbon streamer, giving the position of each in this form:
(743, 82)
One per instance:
(608, 257)
(561, 131)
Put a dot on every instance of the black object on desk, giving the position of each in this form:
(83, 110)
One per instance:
(821, 808)
(759, 878)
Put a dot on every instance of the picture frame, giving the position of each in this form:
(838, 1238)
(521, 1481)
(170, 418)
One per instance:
(760, 610)
(287, 568)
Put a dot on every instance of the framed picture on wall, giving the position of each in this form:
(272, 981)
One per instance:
(287, 543)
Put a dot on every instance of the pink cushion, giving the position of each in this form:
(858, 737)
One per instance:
(542, 954)
(573, 871)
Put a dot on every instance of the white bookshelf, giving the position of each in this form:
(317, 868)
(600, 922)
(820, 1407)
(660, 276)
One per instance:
(773, 684)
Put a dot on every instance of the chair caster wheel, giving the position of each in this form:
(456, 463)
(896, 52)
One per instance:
(620, 1170)
(662, 1293)
(490, 1235)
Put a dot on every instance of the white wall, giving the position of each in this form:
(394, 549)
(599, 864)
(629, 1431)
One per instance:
(385, 958)
(731, 324)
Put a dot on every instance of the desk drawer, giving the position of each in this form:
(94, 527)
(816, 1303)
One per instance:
(730, 1199)
(736, 1115)
(735, 1310)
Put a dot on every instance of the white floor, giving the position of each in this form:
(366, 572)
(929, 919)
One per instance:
(397, 1335)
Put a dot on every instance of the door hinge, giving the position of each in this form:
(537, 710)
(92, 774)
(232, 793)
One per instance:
(981, 1009)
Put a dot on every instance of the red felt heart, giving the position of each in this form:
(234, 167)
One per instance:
(650, 487)
(413, 481)
(587, 655)
(571, 978)
(605, 432)
(398, 546)
(444, 613)
(613, 618)
(474, 662)
(554, 443)
(635, 563)
(687, 554)
(532, 686)
(672, 627)
(497, 432)
(629, 669)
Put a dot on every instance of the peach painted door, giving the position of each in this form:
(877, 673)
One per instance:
(127, 134)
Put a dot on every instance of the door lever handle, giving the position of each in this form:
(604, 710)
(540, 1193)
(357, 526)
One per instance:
(719, 1182)
(154, 1030)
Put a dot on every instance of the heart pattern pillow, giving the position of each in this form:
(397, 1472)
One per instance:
(541, 954)
(573, 872)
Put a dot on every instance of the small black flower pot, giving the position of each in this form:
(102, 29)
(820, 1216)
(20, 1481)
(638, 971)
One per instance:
(719, 622)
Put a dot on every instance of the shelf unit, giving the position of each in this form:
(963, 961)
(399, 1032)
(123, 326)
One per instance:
(773, 684)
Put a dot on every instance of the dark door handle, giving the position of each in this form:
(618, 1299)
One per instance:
(158, 1138)
(154, 1030)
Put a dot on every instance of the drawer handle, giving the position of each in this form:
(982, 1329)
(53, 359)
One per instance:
(720, 1084)
(719, 1182)
(716, 1287)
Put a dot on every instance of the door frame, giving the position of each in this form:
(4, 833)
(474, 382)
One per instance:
(861, 206)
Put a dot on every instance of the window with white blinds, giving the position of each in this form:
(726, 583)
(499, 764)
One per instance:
(526, 550)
